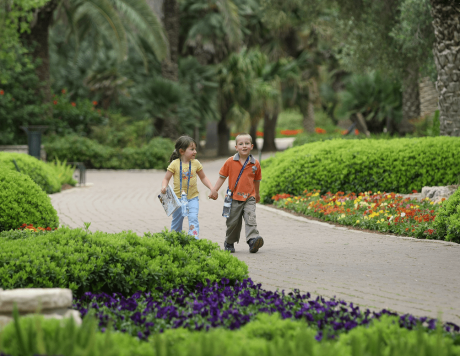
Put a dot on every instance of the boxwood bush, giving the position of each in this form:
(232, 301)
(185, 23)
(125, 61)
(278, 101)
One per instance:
(23, 202)
(154, 154)
(447, 222)
(124, 262)
(41, 173)
(397, 165)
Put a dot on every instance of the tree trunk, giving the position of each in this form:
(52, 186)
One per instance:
(253, 133)
(37, 40)
(410, 99)
(169, 66)
(446, 52)
(309, 118)
(223, 133)
(269, 132)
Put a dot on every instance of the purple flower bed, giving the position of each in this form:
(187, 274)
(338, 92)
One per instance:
(231, 306)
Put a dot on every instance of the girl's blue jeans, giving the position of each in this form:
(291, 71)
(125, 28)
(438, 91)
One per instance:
(193, 225)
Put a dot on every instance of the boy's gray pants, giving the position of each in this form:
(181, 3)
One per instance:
(242, 209)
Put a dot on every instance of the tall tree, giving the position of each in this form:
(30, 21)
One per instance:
(446, 23)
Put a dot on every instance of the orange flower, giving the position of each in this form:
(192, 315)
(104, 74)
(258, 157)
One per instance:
(94, 102)
(356, 132)
(2, 92)
(55, 102)
(319, 130)
(259, 134)
(63, 91)
(73, 104)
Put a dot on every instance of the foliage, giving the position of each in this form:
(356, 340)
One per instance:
(15, 17)
(220, 305)
(397, 165)
(63, 171)
(113, 263)
(20, 101)
(23, 202)
(377, 98)
(385, 212)
(268, 335)
(154, 154)
(447, 222)
(41, 173)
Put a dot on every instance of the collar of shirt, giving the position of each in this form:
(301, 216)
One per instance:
(252, 160)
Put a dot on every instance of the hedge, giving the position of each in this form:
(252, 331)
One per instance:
(154, 155)
(397, 165)
(23, 202)
(113, 263)
(269, 335)
(447, 222)
(41, 173)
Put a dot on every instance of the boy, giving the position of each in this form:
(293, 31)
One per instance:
(244, 197)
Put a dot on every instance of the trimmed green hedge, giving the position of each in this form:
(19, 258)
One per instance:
(101, 262)
(154, 155)
(23, 202)
(397, 165)
(41, 173)
(269, 335)
(447, 222)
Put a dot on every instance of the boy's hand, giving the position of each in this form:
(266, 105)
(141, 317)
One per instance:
(213, 194)
(163, 190)
(257, 198)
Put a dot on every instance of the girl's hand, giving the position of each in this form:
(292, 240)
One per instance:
(163, 190)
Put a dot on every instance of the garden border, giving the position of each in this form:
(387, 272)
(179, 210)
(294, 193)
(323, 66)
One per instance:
(304, 218)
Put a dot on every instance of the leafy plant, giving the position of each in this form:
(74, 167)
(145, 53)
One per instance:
(397, 165)
(447, 222)
(24, 202)
(113, 263)
(40, 172)
(63, 171)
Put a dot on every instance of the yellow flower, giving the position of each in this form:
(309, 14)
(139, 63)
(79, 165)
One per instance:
(343, 215)
(357, 221)
(431, 203)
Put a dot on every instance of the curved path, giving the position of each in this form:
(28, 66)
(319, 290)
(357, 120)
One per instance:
(372, 270)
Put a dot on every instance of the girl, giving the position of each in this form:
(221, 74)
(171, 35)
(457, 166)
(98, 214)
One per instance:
(184, 167)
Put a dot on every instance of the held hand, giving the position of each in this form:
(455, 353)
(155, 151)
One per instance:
(213, 194)
(257, 198)
(163, 190)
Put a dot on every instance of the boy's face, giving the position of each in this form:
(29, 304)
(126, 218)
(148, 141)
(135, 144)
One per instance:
(244, 146)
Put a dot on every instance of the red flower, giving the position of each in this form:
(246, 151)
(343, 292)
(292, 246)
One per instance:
(2, 92)
(63, 91)
(94, 102)
(259, 134)
(414, 191)
(356, 132)
(319, 130)
(73, 104)
(55, 102)
(291, 132)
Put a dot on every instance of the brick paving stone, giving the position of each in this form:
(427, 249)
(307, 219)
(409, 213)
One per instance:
(372, 270)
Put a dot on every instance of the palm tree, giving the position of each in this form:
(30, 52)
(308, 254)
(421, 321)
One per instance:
(446, 15)
(111, 18)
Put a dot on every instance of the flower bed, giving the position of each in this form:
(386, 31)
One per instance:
(384, 212)
(222, 305)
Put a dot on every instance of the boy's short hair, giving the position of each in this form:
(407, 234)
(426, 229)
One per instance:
(241, 135)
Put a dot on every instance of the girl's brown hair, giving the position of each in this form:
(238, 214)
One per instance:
(182, 143)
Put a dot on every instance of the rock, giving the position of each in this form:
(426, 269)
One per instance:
(51, 303)
(437, 193)
(31, 300)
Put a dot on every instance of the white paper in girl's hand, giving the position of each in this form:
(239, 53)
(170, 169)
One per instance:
(169, 201)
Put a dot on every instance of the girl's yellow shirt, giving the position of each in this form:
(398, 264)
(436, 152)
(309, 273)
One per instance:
(174, 168)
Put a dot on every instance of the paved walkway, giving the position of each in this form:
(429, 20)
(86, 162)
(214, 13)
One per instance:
(372, 270)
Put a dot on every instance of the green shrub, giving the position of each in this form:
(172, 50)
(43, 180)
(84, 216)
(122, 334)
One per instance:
(397, 165)
(63, 171)
(269, 335)
(123, 262)
(154, 154)
(41, 173)
(447, 222)
(23, 202)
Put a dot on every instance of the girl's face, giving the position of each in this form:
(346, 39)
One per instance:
(189, 153)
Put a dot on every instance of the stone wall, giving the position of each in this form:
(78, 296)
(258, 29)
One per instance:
(428, 97)
(23, 149)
